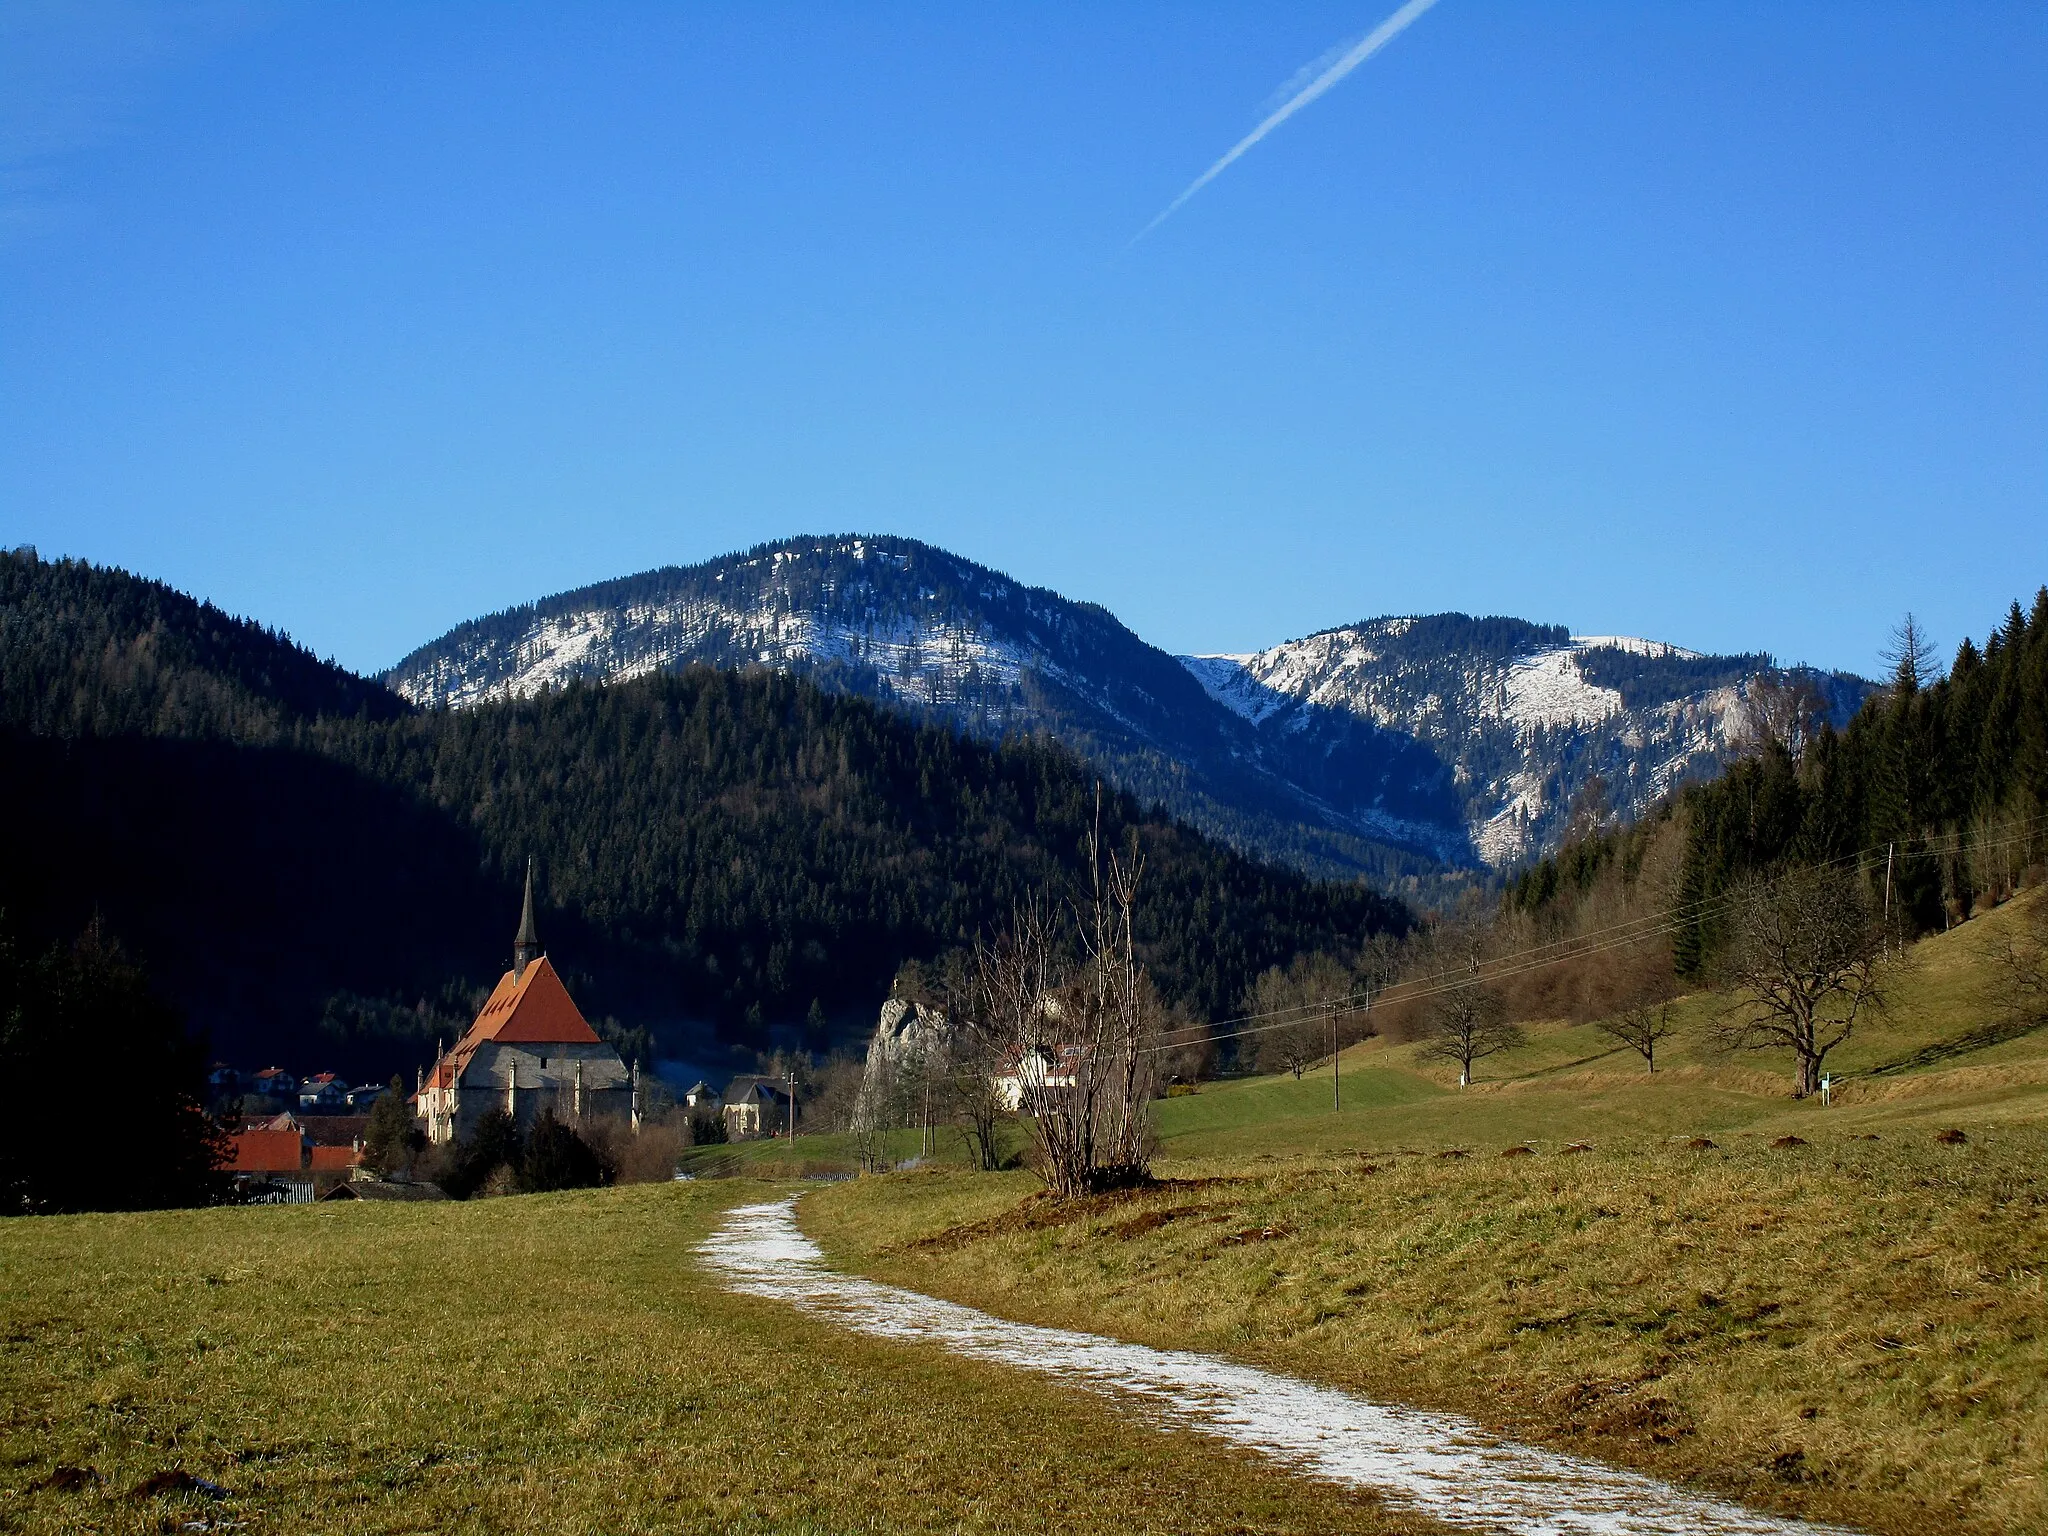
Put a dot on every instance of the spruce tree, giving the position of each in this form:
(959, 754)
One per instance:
(392, 1139)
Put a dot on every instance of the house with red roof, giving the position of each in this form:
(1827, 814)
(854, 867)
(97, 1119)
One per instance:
(274, 1083)
(282, 1159)
(267, 1149)
(530, 1048)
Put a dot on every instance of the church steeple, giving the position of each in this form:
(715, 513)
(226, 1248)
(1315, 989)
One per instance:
(526, 948)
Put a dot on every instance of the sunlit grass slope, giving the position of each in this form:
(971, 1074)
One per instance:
(1923, 1059)
(549, 1363)
(1850, 1328)
(1853, 1325)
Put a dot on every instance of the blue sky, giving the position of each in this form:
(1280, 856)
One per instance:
(1720, 323)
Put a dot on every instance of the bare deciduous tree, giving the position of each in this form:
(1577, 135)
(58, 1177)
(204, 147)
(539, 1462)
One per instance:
(970, 1096)
(1466, 1025)
(870, 1135)
(1293, 1007)
(1076, 1023)
(1787, 709)
(1640, 1026)
(1468, 1022)
(1806, 961)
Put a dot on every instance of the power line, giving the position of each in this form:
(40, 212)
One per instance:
(1622, 935)
(1516, 963)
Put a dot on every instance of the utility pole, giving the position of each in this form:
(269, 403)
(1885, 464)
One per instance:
(1336, 1066)
(1889, 849)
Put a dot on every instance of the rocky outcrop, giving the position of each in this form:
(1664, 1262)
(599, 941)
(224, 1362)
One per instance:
(905, 1034)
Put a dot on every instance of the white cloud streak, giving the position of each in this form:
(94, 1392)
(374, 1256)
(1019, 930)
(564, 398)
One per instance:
(1364, 49)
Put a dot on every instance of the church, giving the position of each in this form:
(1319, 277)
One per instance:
(529, 1049)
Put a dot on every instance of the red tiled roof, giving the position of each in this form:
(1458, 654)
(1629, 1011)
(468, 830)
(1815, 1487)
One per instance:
(531, 1009)
(265, 1152)
(333, 1159)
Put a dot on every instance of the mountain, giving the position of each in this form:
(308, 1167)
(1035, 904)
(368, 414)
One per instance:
(1524, 714)
(946, 639)
(322, 874)
(1393, 747)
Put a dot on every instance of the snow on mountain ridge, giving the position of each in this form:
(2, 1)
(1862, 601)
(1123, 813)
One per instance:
(1523, 729)
(926, 662)
(923, 629)
(1445, 736)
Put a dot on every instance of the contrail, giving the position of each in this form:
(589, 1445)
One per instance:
(1369, 45)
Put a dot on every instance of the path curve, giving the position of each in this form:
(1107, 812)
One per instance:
(1434, 1463)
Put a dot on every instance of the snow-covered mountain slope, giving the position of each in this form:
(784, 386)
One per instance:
(1394, 746)
(924, 630)
(1525, 715)
(774, 608)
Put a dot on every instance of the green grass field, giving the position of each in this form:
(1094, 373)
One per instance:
(1854, 1327)
(1572, 1082)
(546, 1363)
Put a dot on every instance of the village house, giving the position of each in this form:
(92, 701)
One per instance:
(274, 1083)
(1035, 1071)
(286, 1160)
(756, 1107)
(268, 1161)
(529, 1049)
(700, 1095)
(335, 1160)
(323, 1094)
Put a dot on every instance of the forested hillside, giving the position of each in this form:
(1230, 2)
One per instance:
(86, 651)
(943, 639)
(1937, 790)
(1416, 750)
(319, 872)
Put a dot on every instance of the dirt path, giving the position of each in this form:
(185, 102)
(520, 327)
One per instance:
(1437, 1464)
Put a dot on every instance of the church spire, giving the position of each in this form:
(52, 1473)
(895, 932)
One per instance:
(526, 948)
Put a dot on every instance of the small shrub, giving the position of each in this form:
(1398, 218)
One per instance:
(557, 1158)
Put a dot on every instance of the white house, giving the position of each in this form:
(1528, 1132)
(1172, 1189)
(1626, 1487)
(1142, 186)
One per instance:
(756, 1107)
(1035, 1070)
(323, 1093)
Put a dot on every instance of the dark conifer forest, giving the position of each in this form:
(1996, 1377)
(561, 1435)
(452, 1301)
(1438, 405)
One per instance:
(316, 872)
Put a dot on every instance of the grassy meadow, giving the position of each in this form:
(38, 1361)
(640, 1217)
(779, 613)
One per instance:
(1854, 1325)
(543, 1363)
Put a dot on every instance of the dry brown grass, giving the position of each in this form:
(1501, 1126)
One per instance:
(1852, 1328)
(544, 1363)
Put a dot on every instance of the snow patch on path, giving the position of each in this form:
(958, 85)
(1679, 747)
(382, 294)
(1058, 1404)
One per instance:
(1437, 1464)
